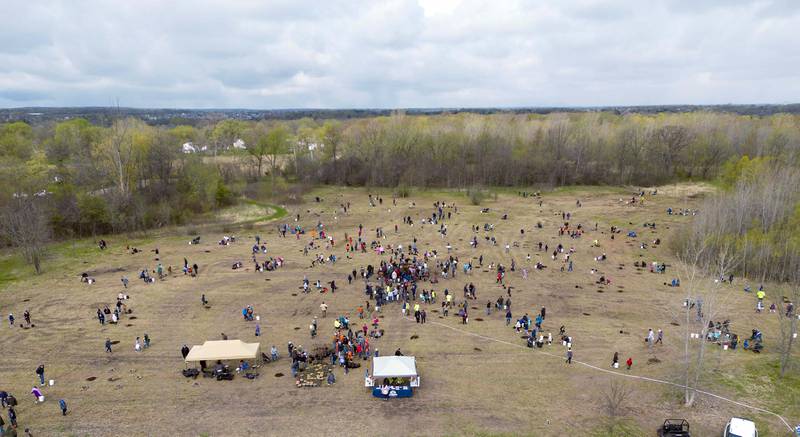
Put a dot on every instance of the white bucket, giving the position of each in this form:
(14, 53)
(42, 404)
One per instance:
(52, 382)
(41, 398)
(724, 347)
(794, 335)
(563, 343)
(616, 365)
(569, 344)
(258, 317)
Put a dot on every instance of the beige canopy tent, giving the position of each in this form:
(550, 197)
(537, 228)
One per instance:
(224, 350)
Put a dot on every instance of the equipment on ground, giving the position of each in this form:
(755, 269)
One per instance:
(674, 428)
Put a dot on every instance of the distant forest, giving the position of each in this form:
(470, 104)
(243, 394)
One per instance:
(166, 116)
(84, 178)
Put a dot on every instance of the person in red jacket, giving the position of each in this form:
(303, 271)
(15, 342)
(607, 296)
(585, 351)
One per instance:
(629, 362)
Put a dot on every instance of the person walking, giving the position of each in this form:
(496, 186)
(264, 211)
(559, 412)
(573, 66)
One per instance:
(40, 373)
(323, 307)
(108, 345)
(629, 363)
(660, 337)
(615, 360)
(63, 404)
(569, 356)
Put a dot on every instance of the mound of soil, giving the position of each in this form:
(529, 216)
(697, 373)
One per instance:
(414, 337)
(586, 314)
(91, 378)
(278, 375)
(478, 319)
(653, 360)
(477, 349)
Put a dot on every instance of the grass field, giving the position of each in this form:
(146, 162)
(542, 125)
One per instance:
(477, 379)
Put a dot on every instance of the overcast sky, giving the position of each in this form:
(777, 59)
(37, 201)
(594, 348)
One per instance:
(398, 53)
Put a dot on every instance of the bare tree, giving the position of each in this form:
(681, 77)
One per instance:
(24, 224)
(615, 399)
(615, 403)
(703, 279)
(788, 317)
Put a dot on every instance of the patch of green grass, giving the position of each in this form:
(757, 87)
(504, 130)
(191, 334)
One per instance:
(278, 212)
(617, 428)
(11, 268)
(760, 380)
(588, 189)
(471, 431)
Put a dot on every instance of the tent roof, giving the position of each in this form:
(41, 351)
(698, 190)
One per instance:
(394, 366)
(223, 350)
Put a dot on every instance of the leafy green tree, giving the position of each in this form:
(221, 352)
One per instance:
(225, 133)
(16, 140)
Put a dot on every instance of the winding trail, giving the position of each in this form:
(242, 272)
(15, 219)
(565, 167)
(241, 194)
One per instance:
(625, 375)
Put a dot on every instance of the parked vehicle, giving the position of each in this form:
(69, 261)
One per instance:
(674, 428)
(738, 427)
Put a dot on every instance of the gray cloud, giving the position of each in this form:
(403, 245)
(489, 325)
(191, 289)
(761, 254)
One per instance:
(397, 53)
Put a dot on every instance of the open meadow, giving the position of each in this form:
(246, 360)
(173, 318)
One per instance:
(476, 379)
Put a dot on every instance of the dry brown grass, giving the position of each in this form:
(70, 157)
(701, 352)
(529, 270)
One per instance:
(469, 385)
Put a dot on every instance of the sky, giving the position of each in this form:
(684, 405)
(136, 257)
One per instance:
(274, 54)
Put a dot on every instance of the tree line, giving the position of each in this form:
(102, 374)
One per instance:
(87, 179)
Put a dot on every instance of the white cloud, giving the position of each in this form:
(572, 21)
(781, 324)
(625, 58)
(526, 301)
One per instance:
(397, 53)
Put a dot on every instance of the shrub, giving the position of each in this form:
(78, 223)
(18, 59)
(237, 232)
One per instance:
(476, 195)
(402, 191)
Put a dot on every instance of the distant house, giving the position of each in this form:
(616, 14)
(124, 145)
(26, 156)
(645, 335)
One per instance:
(189, 148)
(239, 144)
(312, 147)
(193, 148)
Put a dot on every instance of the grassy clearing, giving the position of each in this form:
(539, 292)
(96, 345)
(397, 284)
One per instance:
(273, 212)
(472, 386)
(11, 269)
(761, 380)
(618, 428)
